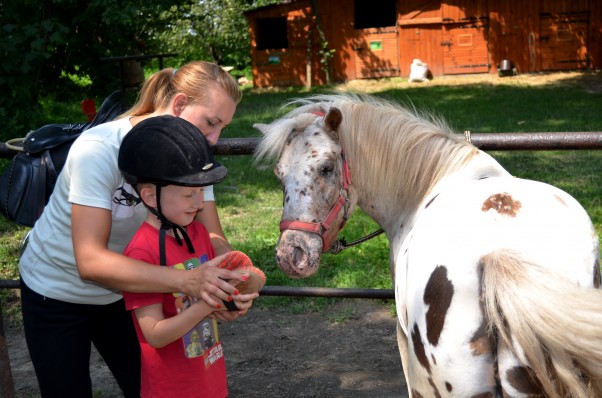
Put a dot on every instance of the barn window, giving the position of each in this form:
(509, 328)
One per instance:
(464, 40)
(271, 33)
(374, 13)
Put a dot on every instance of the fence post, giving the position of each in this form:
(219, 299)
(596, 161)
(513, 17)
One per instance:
(7, 387)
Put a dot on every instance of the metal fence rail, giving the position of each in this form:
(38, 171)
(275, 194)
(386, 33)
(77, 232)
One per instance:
(384, 294)
(292, 291)
(246, 146)
(484, 141)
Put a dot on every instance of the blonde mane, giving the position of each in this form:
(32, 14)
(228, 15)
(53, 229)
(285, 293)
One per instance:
(412, 150)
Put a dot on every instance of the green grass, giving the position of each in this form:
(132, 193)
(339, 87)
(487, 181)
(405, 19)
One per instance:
(250, 200)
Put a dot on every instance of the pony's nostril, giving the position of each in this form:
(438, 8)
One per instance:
(299, 257)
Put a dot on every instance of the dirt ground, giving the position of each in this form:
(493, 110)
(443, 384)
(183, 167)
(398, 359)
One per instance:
(348, 350)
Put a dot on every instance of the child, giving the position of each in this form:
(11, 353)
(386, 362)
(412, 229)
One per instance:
(168, 161)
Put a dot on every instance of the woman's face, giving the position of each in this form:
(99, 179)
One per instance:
(212, 115)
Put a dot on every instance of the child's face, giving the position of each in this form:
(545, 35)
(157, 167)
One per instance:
(212, 115)
(181, 204)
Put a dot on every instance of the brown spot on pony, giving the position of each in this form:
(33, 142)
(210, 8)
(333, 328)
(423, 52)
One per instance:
(503, 204)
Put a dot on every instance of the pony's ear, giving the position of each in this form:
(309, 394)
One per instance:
(263, 128)
(333, 119)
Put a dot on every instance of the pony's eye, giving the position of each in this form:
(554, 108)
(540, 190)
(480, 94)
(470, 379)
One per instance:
(326, 168)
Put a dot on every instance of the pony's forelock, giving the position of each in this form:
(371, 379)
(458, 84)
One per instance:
(278, 133)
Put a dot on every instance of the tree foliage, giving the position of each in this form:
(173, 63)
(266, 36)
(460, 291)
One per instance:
(48, 42)
(213, 30)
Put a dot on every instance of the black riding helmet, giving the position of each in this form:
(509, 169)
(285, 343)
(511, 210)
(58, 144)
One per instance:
(168, 150)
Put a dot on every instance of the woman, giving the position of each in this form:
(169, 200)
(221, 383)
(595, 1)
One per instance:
(72, 269)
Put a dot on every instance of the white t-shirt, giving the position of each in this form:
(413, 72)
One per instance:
(91, 177)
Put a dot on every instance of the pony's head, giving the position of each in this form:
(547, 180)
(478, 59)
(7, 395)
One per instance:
(396, 156)
(315, 180)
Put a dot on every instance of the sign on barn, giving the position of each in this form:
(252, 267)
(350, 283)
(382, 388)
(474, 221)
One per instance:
(313, 42)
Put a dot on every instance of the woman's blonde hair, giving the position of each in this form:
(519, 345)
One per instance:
(192, 79)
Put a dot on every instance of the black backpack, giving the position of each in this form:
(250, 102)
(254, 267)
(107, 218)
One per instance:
(28, 181)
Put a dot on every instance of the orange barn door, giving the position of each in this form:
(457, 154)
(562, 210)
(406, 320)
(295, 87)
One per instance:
(465, 48)
(563, 35)
(465, 37)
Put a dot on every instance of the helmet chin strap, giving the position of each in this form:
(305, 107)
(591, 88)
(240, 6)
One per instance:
(167, 225)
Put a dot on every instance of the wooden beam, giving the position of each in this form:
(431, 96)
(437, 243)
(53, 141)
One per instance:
(420, 21)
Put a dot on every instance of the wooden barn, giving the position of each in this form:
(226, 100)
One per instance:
(381, 38)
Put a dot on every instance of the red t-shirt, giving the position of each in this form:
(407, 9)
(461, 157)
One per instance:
(193, 366)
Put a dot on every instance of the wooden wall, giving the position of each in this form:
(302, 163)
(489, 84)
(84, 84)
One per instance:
(543, 35)
(595, 38)
(453, 37)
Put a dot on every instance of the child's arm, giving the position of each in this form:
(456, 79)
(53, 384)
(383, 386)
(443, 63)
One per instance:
(160, 331)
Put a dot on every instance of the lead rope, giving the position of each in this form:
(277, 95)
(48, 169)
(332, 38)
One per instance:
(340, 244)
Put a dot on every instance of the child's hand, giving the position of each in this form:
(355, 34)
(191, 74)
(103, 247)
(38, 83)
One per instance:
(243, 303)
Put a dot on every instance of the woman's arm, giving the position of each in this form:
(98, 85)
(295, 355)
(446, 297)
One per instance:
(91, 227)
(210, 219)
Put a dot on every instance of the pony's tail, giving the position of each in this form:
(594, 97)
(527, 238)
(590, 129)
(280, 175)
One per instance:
(556, 323)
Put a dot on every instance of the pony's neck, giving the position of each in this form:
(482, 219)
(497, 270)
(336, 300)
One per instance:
(397, 157)
(394, 211)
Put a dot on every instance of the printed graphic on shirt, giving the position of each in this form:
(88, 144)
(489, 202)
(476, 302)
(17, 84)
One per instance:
(124, 200)
(182, 301)
(203, 339)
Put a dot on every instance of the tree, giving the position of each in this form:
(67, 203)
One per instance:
(212, 30)
(48, 42)
(45, 41)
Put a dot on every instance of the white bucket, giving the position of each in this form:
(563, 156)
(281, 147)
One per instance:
(418, 71)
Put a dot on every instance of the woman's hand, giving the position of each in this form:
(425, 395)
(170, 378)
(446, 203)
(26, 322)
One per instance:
(210, 283)
(250, 283)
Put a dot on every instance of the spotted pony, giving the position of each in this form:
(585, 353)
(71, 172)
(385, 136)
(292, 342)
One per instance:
(496, 278)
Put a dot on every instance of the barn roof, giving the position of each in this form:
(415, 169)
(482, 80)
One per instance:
(263, 8)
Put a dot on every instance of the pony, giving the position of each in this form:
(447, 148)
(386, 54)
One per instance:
(496, 278)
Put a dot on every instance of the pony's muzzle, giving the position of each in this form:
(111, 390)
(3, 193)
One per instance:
(298, 253)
